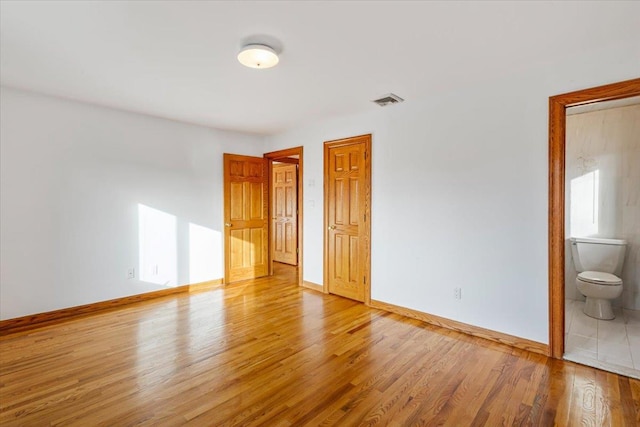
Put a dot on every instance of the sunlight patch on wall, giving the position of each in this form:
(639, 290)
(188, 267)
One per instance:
(158, 246)
(204, 254)
(584, 204)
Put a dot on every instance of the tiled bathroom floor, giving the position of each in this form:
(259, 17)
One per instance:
(612, 345)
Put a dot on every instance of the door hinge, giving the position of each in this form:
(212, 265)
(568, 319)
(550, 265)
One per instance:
(364, 280)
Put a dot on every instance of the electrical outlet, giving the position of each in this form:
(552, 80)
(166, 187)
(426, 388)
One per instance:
(458, 293)
(131, 273)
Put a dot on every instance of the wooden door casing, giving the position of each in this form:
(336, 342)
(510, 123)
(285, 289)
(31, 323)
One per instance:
(557, 135)
(347, 217)
(246, 243)
(285, 213)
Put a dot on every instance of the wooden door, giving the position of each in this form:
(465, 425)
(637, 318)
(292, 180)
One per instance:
(285, 213)
(347, 217)
(245, 217)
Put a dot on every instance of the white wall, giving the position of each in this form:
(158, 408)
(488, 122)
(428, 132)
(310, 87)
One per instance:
(607, 142)
(73, 176)
(460, 193)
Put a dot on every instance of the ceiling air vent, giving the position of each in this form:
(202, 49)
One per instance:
(388, 99)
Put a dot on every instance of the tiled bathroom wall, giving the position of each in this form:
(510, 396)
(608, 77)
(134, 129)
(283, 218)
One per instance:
(603, 189)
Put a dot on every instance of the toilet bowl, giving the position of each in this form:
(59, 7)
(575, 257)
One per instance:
(599, 264)
(599, 289)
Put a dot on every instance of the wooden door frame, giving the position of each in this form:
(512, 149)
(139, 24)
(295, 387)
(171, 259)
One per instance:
(281, 154)
(367, 211)
(557, 135)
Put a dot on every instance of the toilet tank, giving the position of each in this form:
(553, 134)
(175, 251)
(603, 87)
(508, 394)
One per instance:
(593, 254)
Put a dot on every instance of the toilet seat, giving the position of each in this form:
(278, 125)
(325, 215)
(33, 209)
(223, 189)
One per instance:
(599, 278)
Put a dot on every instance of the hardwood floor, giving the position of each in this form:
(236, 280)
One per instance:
(267, 352)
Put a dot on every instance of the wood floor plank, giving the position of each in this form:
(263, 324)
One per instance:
(269, 353)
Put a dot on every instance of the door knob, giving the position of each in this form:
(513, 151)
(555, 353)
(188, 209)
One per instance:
(227, 224)
(331, 227)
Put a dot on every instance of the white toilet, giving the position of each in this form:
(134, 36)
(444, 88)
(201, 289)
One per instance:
(599, 264)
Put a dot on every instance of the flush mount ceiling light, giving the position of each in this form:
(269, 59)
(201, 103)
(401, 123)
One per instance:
(258, 56)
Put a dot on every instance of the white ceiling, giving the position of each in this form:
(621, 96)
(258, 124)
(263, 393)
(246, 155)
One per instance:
(177, 59)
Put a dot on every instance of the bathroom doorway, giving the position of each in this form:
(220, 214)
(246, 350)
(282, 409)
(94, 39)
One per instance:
(585, 161)
(602, 176)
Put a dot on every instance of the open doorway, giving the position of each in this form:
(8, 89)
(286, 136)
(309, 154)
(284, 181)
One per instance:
(286, 208)
(557, 162)
(602, 175)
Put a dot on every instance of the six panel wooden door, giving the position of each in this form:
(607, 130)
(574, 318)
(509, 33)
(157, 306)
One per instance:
(346, 208)
(245, 216)
(284, 213)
